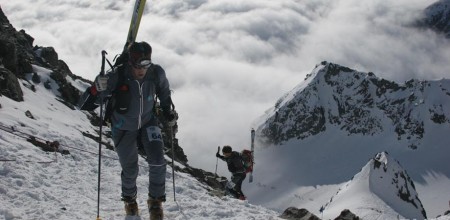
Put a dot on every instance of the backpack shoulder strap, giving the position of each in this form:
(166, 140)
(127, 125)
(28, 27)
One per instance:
(121, 76)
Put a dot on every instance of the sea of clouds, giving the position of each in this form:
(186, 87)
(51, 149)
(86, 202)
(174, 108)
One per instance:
(230, 60)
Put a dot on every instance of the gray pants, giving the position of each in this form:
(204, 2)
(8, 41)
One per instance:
(126, 147)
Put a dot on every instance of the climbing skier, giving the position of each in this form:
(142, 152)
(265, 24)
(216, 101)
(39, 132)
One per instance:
(237, 169)
(134, 87)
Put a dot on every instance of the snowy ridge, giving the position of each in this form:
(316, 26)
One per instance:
(272, 112)
(359, 103)
(382, 189)
(66, 186)
(40, 179)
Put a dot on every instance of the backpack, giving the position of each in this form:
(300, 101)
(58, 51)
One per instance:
(247, 160)
(120, 97)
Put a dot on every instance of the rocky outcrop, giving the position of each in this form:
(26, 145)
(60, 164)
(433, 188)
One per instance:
(347, 215)
(293, 213)
(17, 55)
(437, 17)
(9, 86)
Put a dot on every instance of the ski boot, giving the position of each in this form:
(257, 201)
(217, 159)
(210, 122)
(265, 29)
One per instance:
(131, 206)
(155, 208)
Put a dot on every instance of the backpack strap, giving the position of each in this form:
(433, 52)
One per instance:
(154, 78)
(110, 102)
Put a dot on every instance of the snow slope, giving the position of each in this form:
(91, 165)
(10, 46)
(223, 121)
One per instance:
(42, 185)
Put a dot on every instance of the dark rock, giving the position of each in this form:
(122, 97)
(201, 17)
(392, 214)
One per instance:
(293, 213)
(29, 115)
(48, 84)
(48, 56)
(47, 146)
(28, 42)
(9, 85)
(347, 215)
(208, 178)
(36, 78)
(436, 17)
(8, 54)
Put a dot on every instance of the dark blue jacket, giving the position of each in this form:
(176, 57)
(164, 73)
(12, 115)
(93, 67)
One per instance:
(234, 162)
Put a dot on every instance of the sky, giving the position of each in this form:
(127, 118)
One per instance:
(229, 61)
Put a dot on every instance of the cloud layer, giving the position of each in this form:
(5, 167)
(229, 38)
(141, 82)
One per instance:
(228, 60)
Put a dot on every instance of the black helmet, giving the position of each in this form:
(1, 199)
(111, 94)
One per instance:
(140, 54)
(227, 149)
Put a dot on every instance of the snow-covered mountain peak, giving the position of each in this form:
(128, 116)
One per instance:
(357, 103)
(382, 189)
(390, 182)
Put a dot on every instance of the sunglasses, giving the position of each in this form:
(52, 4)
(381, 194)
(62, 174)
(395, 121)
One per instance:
(142, 64)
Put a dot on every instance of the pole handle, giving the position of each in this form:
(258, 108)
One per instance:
(217, 161)
(102, 70)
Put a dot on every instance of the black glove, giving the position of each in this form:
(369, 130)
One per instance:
(171, 117)
(217, 154)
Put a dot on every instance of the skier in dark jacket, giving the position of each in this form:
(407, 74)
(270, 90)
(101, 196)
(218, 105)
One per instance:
(133, 121)
(236, 167)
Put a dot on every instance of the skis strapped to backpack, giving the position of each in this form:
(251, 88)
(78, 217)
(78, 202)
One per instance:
(252, 134)
(138, 10)
(135, 21)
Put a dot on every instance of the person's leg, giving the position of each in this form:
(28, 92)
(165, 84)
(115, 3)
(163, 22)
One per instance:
(229, 188)
(154, 148)
(126, 148)
(238, 179)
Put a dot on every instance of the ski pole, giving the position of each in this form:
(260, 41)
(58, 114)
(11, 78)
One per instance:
(173, 164)
(102, 72)
(217, 161)
(173, 156)
(250, 179)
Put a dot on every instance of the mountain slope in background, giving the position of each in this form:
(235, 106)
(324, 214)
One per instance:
(437, 17)
(382, 189)
(320, 133)
(359, 103)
